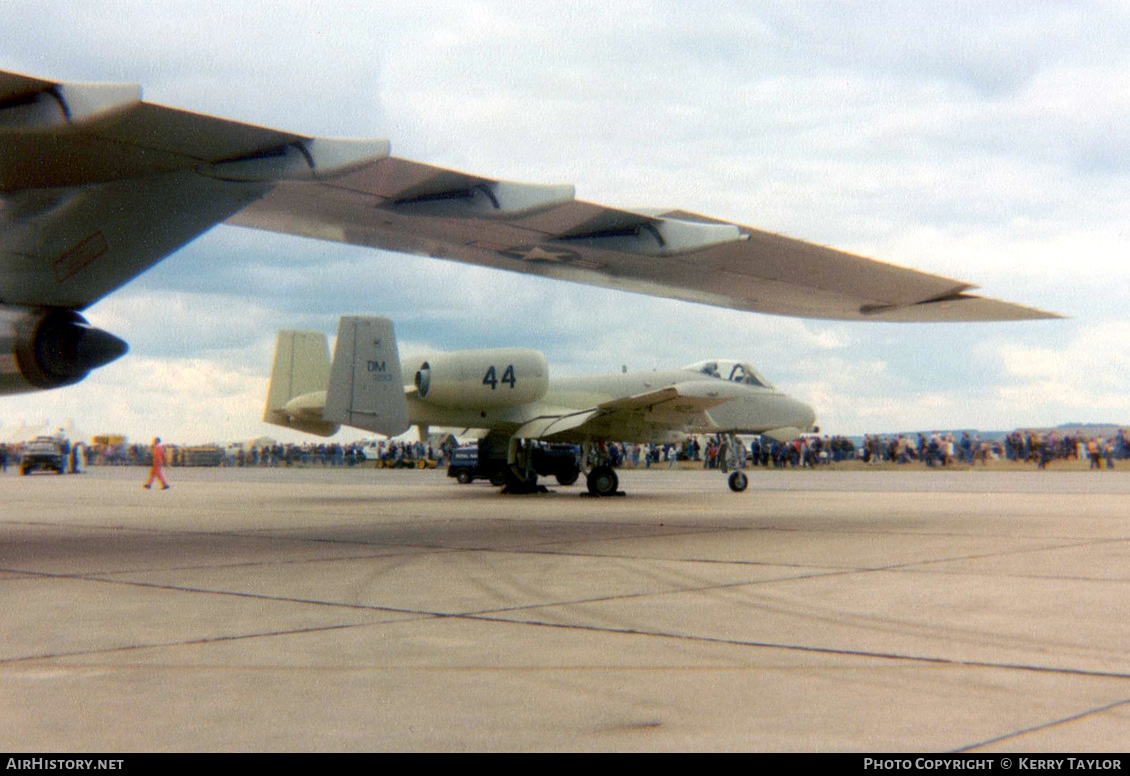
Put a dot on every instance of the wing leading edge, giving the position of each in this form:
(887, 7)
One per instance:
(406, 206)
(96, 186)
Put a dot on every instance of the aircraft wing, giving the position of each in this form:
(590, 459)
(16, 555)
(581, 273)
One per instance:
(406, 206)
(96, 186)
(676, 408)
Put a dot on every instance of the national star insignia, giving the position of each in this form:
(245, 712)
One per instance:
(541, 253)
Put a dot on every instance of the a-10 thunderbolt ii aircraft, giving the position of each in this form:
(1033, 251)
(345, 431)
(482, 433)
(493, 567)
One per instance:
(96, 186)
(508, 391)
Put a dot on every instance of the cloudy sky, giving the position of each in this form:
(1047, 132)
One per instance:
(983, 141)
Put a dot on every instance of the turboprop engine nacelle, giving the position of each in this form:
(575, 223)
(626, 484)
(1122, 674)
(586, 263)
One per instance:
(41, 349)
(473, 379)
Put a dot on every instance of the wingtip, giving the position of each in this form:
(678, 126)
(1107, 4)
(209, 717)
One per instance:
(961, 307)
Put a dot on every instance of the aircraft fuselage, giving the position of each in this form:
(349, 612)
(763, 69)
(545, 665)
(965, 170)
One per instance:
(754, 410)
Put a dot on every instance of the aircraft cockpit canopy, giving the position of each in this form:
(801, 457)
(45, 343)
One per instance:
(734, 371)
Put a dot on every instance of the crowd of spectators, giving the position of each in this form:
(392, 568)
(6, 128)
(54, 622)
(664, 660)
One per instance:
(333, 454)
(387, 453)
(1041, 449)
(714, 452)
(931, 450)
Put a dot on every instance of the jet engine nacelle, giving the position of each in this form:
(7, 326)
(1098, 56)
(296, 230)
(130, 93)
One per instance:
(41, 349)
(473, 379)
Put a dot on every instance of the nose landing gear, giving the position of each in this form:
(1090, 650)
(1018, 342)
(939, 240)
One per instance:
(732, 458)
(738, 482)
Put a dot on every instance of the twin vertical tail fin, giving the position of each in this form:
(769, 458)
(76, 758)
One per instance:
(365, 386)
(299, 376)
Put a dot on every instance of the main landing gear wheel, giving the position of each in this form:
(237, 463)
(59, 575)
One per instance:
(602, 481)
(738, 482)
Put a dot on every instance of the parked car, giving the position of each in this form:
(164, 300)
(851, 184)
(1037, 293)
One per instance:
(43, 453)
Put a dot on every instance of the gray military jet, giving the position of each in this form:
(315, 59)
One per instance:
(508, 392)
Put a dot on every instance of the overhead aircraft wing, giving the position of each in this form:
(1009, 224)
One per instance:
(675, 408)
(96, 186)
(406, 206)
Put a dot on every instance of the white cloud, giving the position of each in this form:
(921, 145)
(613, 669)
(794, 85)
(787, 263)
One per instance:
(1087, 380)
(183, 400)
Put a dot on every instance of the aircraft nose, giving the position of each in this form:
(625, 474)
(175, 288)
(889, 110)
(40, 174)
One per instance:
(805, 415)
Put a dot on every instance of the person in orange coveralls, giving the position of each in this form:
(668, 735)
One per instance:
(158, 462)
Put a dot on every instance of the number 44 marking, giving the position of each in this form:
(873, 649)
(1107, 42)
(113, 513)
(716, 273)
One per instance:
(491, 377)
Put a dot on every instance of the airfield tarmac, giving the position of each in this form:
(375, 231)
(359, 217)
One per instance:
(330, 610)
